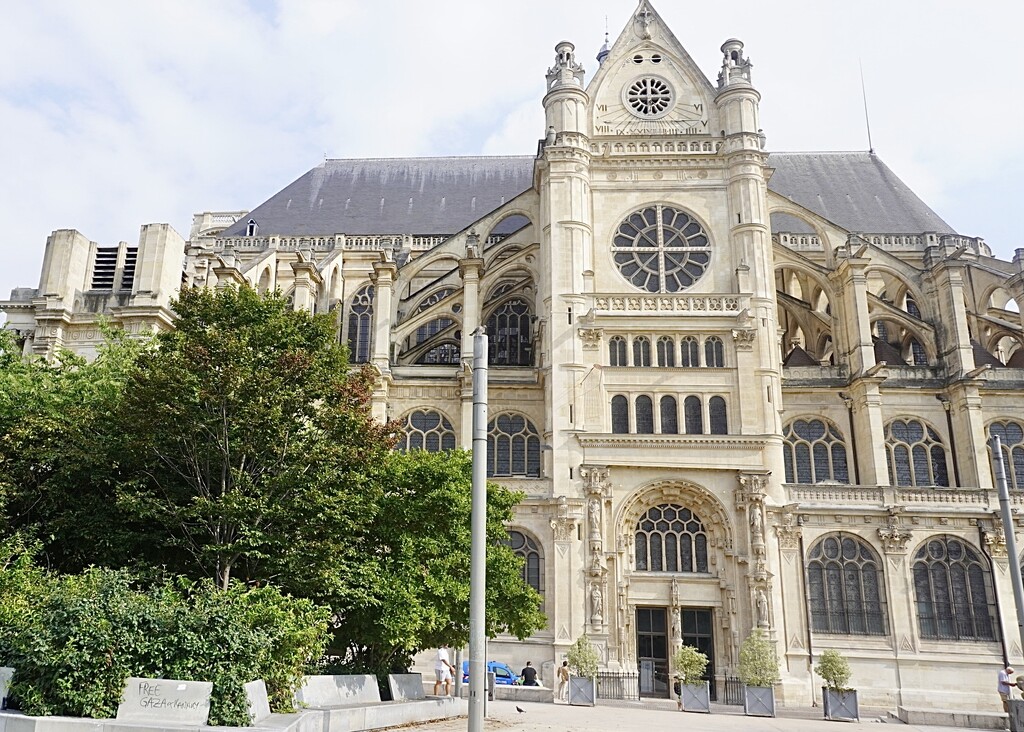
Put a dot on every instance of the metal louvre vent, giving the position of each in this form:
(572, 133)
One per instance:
(103, 268)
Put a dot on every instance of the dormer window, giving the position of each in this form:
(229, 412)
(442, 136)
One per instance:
(251, 228)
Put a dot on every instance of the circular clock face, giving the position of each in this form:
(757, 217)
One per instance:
(649, 97)
(661, 249)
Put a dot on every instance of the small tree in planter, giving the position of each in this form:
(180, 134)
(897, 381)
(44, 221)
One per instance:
(583, 661)
(838, 701)
(694, 691)
(759, 670)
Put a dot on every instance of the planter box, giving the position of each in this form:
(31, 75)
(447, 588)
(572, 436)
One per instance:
(582, 691)
(840, 705)
(759, 701)
(696, 697)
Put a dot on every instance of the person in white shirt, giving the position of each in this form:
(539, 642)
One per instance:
(443, 671)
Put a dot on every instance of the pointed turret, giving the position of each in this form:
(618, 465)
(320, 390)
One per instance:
(565, 103)
(735, 68)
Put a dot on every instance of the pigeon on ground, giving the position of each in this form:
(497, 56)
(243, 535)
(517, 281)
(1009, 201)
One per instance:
(520, 709)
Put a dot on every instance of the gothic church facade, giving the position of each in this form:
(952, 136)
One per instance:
(738, 388)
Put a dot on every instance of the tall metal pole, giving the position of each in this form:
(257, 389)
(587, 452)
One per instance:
(478, 548)
(1011, 539)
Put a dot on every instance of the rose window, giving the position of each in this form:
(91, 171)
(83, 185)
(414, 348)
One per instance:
(661, 249)
(649, 97)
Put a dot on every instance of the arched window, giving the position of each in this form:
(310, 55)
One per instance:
(644, 415)
(690, 352)
(533, 560)
(693, 415)
(911, 306)
(717, 418)
(844, 585)
(513, 447)
(714, 352)
(428, 430)
(953, 591)
(666, 352)
(814, 452)
(641, 351)
(670, 538)
(1011, 435)
(616, 351)
(620, 415)
(508, 333)
(918, 356)
(360, 317)
(669, 416)
(916, 455)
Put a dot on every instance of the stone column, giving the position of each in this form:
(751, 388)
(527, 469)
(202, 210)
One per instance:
(307, 285)
(852, 332)
(870, 428)
(383, 279)
(899, 589)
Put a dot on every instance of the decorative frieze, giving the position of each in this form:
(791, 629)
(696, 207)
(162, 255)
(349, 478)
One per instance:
(710, 304)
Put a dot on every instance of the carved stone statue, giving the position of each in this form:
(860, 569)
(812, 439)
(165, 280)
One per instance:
(594, 508)
(596, 604)
(756, 524)
(762, 608)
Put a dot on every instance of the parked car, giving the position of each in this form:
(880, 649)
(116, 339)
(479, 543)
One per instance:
(503, 673)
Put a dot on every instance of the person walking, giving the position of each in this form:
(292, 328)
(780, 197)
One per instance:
(443, 671)
(563, 681)
(1003, 687)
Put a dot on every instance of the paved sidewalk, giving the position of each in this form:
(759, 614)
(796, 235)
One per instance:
(648, 716)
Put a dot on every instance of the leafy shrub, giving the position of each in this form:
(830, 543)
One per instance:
(583, 658)
(834, 670)
(689, 664)
(759, 666)
(87, 633)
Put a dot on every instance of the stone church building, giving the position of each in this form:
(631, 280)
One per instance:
(739, 388)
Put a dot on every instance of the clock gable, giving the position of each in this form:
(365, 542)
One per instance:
(648, 84)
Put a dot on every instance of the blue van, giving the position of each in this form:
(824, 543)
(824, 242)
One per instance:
(503, 673)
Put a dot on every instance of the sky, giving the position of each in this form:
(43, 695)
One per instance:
(119, 113)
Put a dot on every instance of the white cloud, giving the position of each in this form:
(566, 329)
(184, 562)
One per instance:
(122, 113)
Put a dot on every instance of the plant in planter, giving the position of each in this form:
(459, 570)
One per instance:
(583, 661)
(838, 700)
(694, 692)
(759, 670)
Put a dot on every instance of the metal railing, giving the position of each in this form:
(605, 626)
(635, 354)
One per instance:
(618, 685)
(733, 692)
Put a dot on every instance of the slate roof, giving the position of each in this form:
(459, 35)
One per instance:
(391, 196)
(855, 190)
(432, 196)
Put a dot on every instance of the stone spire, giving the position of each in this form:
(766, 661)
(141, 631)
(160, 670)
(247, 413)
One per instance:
(566, 71)
(735, 69)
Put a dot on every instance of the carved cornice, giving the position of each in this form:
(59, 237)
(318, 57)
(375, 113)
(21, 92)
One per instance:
(563, 528)
(894, 537)
(894, 540)
(995, 540)
(744, 338)
(673, 442)
(595, 479)
(591, 338)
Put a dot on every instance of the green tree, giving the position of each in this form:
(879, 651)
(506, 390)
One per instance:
(416, 547)
(61, 452)
(250, 441)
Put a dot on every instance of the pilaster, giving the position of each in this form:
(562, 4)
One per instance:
(383, 279)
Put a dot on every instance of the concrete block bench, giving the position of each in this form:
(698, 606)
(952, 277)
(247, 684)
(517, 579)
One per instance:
(951, 718)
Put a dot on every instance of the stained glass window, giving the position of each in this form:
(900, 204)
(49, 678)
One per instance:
(953, 591)
(845, 588)
(670, 538)
(814, 452)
